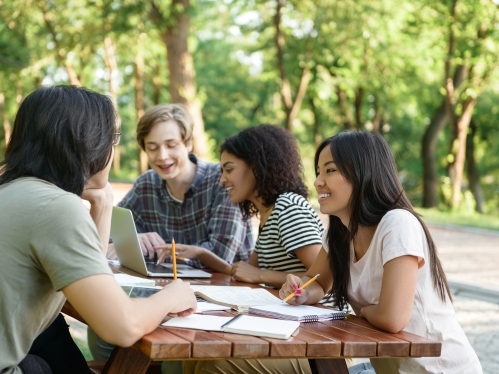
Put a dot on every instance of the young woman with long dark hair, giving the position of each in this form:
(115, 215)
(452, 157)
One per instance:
(378, 255)
(53, 248)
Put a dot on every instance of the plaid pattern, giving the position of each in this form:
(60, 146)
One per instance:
(206, 218)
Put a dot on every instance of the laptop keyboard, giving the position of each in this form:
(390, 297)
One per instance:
(153, 268)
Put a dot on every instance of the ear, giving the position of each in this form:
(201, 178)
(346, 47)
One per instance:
(188, 145)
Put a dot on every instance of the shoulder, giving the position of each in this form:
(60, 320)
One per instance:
(399, 218)
(148, 179)
(212, 170)
(292, 199)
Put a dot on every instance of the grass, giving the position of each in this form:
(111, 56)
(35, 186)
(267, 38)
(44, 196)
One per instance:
(460, 218)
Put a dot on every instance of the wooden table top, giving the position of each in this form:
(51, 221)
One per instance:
(353, 337)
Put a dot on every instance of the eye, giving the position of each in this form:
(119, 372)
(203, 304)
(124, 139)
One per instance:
(152, 149)
(330, 170)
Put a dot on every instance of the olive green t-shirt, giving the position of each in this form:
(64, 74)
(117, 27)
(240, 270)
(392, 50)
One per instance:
(48, 240)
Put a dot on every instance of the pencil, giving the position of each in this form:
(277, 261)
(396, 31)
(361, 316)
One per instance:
(301, 288)
(174, 259)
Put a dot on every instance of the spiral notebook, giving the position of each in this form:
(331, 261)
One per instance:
(300, 313)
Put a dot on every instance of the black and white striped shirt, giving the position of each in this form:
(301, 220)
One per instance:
(293, 224)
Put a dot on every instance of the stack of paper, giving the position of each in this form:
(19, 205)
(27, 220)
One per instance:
(302, 313)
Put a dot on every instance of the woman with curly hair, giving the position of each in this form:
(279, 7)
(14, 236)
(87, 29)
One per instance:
(262, 172)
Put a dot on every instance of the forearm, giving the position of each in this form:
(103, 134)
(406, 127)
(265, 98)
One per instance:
(214, 262)
(382, 318)
(275, 278)
(101, 211)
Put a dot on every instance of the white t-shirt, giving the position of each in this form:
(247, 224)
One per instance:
(399, 233)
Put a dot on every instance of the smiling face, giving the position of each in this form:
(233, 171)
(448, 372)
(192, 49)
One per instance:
(237, 177)
(166, 151)
(333, 189)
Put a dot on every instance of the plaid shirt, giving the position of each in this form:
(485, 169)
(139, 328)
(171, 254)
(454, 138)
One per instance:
(206, 218)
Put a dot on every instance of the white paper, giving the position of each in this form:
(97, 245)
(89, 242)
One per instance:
(198, 322)
(127, 280)
(241, 296)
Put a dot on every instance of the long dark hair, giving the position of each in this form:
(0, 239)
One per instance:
(62, 134)
(272, 154)
(365, 160)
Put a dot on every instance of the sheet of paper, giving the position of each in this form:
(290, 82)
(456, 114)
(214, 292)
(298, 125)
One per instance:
(125, 279)
(205, 306)
(198, 322)
(238, 295)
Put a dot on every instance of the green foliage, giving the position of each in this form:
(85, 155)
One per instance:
(387, 56)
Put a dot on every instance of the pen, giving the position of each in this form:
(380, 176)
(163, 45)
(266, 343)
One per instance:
(230, 321)
(174, 259)
(301, 288)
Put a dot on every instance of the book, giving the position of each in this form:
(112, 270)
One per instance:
(238, 298)
(241, 324)
(127, 280)
(301, 313)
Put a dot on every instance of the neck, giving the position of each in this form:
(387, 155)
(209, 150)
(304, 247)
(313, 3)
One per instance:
(362, 240)
(263, 211)
(179, 185)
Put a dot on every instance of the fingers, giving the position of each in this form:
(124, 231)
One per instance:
(163, 252)
(148, 241)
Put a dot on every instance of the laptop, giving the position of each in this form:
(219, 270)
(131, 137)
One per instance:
(127, 246)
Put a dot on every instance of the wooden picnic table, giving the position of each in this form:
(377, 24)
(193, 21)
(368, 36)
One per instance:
(326, 343)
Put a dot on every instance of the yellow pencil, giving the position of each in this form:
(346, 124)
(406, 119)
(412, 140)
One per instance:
(302, 287)
(174, 259)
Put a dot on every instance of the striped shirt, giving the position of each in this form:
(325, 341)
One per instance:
(205, 218)
(293, 224)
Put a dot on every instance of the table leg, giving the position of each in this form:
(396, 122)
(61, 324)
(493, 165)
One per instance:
(126, 360)
(328, 366)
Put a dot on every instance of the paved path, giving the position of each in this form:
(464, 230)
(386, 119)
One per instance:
(466, 257)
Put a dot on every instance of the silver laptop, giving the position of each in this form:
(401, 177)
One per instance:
(127, 246)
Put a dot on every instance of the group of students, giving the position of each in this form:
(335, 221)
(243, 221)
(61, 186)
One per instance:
(376, 255)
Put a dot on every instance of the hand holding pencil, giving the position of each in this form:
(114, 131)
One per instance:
(293, 280)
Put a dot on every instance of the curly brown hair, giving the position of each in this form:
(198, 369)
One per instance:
(272, 153)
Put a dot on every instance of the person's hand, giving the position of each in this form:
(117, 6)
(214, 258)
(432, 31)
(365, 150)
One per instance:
(111, 252)
(244, 272)
(149, 241)
(182, 250)
(293, 283)
(182, 298)
(96, 193)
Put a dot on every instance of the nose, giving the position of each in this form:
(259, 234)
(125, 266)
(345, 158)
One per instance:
(319, 182)
(223, 179)
(163, 153)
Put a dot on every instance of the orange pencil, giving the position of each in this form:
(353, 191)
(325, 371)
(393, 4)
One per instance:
(174, 259)
(301, 288)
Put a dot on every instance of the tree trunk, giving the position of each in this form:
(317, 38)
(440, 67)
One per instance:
(317, 126)
(291, 108)
(429, 145)
(378, 115)
(359, 95)
(181, 68)
(139, 102)
(111, 67)
(462, 128)
(156, 85)
(5, 119)
(344, 109)
(61, 53)
(472, 171)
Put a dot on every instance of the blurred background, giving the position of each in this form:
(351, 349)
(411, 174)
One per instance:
(423, 73)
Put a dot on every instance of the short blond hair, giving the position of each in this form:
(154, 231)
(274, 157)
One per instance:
(163, 113)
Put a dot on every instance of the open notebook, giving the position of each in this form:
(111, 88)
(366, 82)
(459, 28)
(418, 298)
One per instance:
(241, 324)
(301, 313)
(239, 298)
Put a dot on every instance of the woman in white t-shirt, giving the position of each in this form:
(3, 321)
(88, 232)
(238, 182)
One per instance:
(379, 257)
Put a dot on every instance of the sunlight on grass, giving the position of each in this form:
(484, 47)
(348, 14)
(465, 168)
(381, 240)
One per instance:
(470, 219)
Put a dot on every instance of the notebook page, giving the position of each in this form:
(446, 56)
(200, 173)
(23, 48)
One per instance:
(238, 295)
(198, 322)
(259, 326)
(296, 310)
